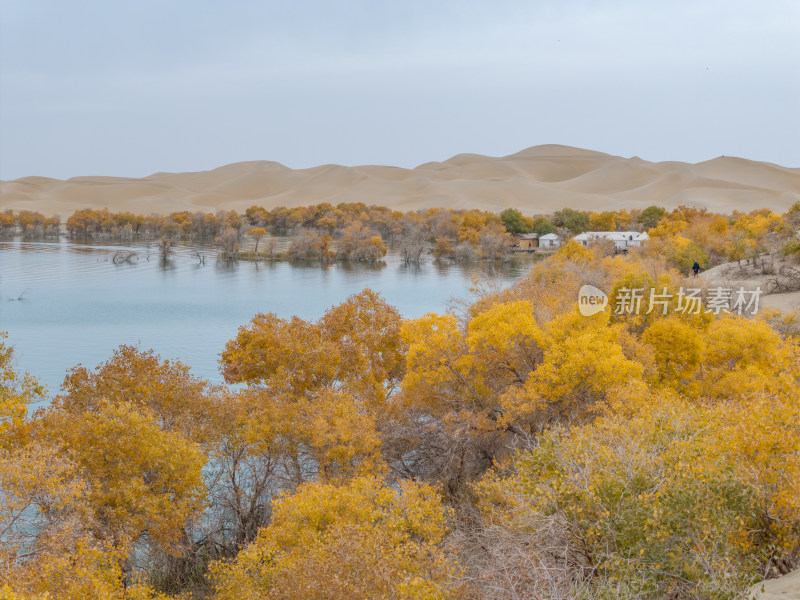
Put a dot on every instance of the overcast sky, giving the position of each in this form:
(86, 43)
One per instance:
(131, 88)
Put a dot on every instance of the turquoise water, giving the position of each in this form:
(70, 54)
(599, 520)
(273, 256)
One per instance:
(77, 305)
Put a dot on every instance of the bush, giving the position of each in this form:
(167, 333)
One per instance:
(651, 216)
(515, 222)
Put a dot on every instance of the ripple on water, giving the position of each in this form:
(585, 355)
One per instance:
(80, 305)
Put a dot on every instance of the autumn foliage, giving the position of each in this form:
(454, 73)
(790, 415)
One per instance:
(512, 448)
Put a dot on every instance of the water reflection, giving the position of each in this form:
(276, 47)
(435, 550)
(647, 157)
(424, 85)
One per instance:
(360, 267)
(167, 266)
(410, 268)
(81, 304)
(226, 266)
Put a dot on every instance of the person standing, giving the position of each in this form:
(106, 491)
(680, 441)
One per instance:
(696, 268)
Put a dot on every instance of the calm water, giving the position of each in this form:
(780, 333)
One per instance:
(77, 305)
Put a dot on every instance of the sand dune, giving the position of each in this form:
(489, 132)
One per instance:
(540, 179)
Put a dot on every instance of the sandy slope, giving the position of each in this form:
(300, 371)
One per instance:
(783, 588)
(537, 180)
(730, 275)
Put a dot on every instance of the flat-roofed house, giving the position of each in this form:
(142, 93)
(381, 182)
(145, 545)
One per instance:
(622, 239)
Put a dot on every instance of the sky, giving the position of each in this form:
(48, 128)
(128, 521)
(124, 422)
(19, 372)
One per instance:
(132, 88)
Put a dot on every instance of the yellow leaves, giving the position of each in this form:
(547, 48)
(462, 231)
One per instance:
(112, 463)
(503, 327)
(688, 234)
(622, 488)
(581, 364)
(638, 298)
(764, 447)
(745, 357)
(257, 232)
(436, 331)
(506, 372)
(365, 331)
(85, 569)
(731, 358)
(74, 566)
(6, 593)
(575, 252)
(345, 442)
(591, 358)
(289, 354)
(448, 369)
(667, 228)
(139, 478)
(470, 227)
(17, 391)
(165, 389)
(758, 222)
(736, 341)
(678, 350)
(603, 221)
(413, 511)
(437, 361)
(355, 343)
(320, 388)
(362, 540)
(360, 243)
(32, 477)
(375, 248)
(656, 442)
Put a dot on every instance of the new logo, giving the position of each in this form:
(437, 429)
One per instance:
(591, 300)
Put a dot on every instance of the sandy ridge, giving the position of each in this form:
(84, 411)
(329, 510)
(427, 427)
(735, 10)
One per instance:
(540, 179)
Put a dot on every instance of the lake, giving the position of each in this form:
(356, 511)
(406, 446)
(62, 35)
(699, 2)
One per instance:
(65, 302)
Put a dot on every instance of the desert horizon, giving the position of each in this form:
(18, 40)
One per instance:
(536, 180)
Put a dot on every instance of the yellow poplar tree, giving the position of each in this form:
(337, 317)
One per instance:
(360, 540)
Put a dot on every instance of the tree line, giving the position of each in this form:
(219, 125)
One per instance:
(511, 448)
(30, 223)
(355, 231)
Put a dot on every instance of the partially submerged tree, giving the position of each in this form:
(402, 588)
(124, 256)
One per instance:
(257, 233)
(229, 244)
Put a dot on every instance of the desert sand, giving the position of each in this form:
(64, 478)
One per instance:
(778, 286)
(783, 588)
(541, 179)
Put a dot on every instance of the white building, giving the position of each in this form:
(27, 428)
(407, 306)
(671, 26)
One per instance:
(549, 241)
(622, 239)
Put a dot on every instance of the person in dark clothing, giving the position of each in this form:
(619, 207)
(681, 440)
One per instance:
(696, 268)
